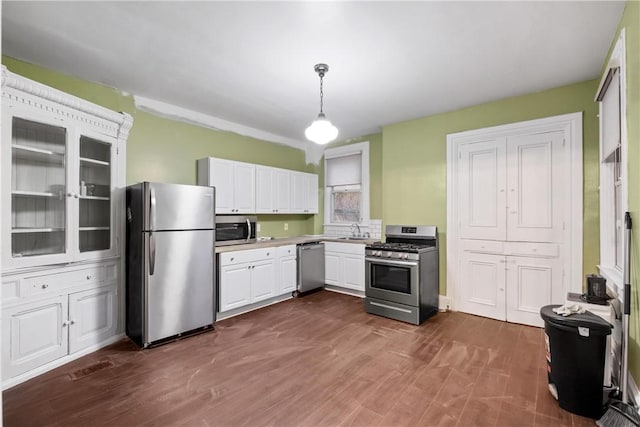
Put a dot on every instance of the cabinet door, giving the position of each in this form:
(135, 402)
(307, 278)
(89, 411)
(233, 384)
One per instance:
(481, 183)
(332, 268)
(263, 281)
(312, 193)
(92, 317)
(33, 335)
(94, 187)
(482, 285)
(531, 284)
(353, 272)
(537, 187)
(298, 191)
(36, 195)
(235, 287)
(288, 275)
(282, 190)
(221, 173)
(265, 187)
(244, 190)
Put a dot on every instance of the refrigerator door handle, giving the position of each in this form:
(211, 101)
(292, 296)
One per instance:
(152, 207)
(152, 254)
(249, 230)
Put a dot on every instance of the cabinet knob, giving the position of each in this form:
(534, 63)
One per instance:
(231, 259)
(45, 286)
(267, 253)
(89, 277)
(65, 323)
(71, 322)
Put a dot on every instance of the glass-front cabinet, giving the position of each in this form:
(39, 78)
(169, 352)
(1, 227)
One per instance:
(62, 178)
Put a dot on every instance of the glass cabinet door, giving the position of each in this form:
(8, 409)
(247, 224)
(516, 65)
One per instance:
(95, 182)
(38, 189)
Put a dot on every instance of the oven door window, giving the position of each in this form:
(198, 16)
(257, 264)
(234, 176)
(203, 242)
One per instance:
(391, 278)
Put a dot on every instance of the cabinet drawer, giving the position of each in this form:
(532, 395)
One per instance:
(252, 255)
(546, 250)
(285, 251)
(484, 246)
(344, 248)
(35, 285)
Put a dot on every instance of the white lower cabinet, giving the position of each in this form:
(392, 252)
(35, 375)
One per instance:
(344, 265)
(255, 275)
(288, 280)
(498, 284)
(39, 332)
(50, 315)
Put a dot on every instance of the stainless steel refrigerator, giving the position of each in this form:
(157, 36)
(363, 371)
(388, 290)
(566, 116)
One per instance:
(170, 289)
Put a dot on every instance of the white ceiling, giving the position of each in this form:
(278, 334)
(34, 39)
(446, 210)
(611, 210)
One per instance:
(251, 63)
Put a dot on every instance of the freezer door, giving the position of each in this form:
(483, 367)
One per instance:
(180, 283)
(178, 207)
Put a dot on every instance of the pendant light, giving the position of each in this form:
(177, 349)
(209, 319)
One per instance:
(321, 130)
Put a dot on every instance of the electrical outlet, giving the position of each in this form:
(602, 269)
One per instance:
(286, 226)
(258, 227)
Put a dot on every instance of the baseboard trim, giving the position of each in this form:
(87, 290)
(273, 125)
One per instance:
(12, 382)
(444, 303)
(345, 291)
(247, 308)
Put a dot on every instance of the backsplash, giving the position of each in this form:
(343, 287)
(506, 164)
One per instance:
(374, 228)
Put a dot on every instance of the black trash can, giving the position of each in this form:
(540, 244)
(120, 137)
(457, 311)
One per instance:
(576, 348)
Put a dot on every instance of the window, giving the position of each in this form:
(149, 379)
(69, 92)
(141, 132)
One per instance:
(346, 177)
(613, 165)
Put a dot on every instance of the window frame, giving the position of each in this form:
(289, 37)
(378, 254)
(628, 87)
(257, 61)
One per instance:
(610, 267)
(363, 149)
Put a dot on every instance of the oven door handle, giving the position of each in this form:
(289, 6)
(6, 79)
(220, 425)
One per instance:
(392, 262)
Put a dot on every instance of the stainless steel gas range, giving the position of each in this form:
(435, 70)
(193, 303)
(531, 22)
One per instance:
(401, 275)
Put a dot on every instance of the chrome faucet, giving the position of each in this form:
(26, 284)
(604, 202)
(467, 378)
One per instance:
(358, 227)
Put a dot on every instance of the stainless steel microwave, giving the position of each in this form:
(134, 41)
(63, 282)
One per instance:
(235, 229)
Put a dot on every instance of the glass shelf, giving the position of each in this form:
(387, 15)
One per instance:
(95, 228)
(20, 193)
(23, 230)
(26, 152)
(94, 161)
(94, 198)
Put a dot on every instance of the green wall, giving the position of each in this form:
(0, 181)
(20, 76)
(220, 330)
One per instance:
(165, 150)
(414, 161)
(631, 23)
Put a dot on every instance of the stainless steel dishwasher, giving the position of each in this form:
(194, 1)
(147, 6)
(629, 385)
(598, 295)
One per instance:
(310, 267)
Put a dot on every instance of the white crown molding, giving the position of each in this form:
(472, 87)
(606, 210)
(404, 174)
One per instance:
(313, 152)
(30, 87)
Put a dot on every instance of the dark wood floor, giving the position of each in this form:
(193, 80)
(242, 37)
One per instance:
(314, 361)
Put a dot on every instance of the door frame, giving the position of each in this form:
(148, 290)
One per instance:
(571, 125)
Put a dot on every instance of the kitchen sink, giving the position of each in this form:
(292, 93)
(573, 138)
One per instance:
(354, 238)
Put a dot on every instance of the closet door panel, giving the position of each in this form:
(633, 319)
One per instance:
(481, 182)
(536, 187)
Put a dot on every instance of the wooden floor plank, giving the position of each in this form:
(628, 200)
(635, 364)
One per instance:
(314, 361)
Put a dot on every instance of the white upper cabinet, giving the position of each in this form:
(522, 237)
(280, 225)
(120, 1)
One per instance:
(304, 192)
(482, 190)
(535, 187)
(234, 182)
(62, 176)
(248, 188)
(272, 190)
(512, 188)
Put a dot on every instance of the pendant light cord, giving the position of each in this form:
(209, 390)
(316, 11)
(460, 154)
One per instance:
(321, 91)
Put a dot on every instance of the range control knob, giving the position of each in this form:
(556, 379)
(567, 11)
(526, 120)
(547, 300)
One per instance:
(405, 256)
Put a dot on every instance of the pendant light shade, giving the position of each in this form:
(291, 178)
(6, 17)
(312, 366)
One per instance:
(321, 130)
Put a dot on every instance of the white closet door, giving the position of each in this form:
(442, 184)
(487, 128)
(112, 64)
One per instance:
(537, 187)
(481, 181)
(482, 288)
(531, 284)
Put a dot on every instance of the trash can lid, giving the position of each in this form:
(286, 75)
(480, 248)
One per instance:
(585, 320)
